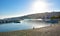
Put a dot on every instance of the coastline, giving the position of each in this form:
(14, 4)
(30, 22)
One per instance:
(53, 30)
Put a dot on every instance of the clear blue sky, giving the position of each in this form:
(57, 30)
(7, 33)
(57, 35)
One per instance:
(17, 7)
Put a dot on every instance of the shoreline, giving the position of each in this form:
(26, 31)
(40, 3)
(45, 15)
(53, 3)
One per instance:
(53, 30)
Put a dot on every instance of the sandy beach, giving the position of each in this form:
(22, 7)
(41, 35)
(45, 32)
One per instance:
(53, 30)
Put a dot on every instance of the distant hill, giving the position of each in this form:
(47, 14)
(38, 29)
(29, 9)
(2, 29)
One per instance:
(42, 15)
(30, 16)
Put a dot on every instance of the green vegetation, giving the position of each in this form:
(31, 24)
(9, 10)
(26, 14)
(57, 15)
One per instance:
(55, 17)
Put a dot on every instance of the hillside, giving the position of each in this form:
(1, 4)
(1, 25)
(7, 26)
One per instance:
(42, 15)
(30, 16)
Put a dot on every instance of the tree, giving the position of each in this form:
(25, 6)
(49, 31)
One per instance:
(53, 17)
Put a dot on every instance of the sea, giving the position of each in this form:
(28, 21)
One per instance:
(24, 25)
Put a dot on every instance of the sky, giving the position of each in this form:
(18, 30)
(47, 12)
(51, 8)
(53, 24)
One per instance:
(15, 8)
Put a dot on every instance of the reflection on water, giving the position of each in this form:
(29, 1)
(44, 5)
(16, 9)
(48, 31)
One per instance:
(22, 26)
(36, 24)
(14, 26)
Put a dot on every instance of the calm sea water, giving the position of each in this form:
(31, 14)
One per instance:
(24, 25)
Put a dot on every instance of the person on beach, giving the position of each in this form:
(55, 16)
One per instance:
(33, 28)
